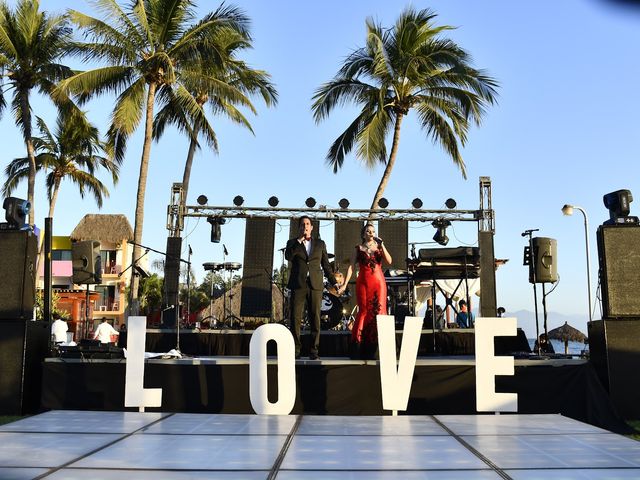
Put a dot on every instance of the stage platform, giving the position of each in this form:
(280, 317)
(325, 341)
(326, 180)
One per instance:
(333, 343)
(74, 445)
(331, 386)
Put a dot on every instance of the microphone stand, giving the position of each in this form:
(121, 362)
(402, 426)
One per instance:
(133, 265)
(532, 267)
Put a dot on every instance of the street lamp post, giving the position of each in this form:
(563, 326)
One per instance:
(568, 210)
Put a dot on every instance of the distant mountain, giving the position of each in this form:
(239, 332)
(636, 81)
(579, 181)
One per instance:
(527, 321)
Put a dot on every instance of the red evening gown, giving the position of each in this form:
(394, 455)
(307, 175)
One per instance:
(371, 291)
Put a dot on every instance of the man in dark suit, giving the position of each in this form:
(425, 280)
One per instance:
(308, 257)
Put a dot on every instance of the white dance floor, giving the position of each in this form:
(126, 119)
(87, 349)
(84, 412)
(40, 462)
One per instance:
(128, 445)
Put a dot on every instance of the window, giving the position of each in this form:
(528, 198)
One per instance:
(61, 255)
(108, 260)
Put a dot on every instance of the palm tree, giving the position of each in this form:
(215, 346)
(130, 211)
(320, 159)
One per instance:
(227, 86)
(71, 153)
(31, 43)
(150, 45)
(409, 66)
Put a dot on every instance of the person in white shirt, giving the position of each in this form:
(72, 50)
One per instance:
(104, 332)
(59, 329)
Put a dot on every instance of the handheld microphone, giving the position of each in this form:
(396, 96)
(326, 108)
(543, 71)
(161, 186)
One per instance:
(377, 240)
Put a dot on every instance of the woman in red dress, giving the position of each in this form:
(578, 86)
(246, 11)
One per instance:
(371, 290)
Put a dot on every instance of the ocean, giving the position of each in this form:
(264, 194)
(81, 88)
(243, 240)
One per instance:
(575, 348)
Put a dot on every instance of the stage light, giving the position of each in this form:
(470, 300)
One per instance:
(344, 203)
(202, 200)
(618, 204)
(238, 200)
(450, 203)
(16, 213)
(441, 234)
(216, 229)
(383, 203)
(273, 201)
(417, 203)
(310, 202)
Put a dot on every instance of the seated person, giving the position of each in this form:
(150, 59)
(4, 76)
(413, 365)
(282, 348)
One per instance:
(464, 318)
(545, 345)
(439, 317)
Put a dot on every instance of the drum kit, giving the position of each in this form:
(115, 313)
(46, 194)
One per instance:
(229, 320)
(332, 313)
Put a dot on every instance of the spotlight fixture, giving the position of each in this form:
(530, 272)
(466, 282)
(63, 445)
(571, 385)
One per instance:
(618, 204)
(273, 201)
(202, 200)
(16, 213)
(344, 203)
(238, 200)
(310, 202)
(216, 230)
(383, 203)
(450, 203)
(441, 235)
(417, 203)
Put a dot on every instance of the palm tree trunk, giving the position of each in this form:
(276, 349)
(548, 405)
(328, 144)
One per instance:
(142, 186)
(28, 141)
(392, 160)
(52, 207)
(189, 162)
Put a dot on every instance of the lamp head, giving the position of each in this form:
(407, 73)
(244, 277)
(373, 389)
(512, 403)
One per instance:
(273, 201)
(441, 234)
(567, 210)
(17, 210)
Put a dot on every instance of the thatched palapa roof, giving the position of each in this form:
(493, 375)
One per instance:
(104, 228)
(567, 332)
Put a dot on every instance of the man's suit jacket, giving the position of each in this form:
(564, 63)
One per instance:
(311, 266)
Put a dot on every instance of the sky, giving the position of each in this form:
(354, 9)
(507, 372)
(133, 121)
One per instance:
(565, 130)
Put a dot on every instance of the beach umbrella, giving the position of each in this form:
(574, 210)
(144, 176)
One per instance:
(567, 333)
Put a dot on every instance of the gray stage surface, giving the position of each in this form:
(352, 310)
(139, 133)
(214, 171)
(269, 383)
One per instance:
(131, 445)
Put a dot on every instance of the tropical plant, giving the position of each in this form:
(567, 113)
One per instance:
(151, 45)
(72, 152)
(31, 44)
(228, 81)
(409, 66)
(151, 288)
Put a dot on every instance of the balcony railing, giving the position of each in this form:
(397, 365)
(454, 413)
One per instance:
(109, 306)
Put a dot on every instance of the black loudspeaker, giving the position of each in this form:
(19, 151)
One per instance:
(17, 271)
(395, 234)
(546, 260)
(488, 300)
(23, 348)
(172, 270)
(615, 354)
(346, 237)
(171, 281)
(87, 268)
(619, 256)
(258, 265)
